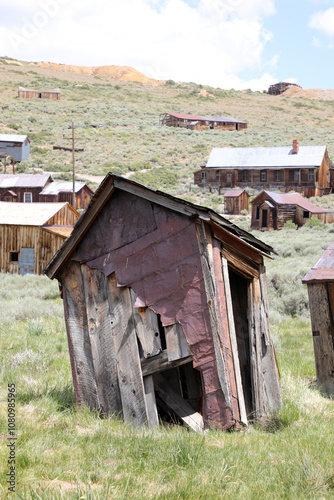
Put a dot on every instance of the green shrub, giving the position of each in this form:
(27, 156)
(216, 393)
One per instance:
(315, 223)
(290, 225)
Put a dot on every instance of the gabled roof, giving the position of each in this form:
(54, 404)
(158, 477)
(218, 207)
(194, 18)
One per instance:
(266, 157)
(234, 193)
(57, 187)
(226, 119)
(29, 214)
(292, 199)
(50, 91)
(23, 180)
(323, 270)
(113, 182)
(13, 138)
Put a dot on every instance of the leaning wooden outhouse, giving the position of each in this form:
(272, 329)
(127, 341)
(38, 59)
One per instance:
(320, 286)
(166, 311)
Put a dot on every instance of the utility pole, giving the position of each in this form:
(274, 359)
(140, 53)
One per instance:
(72, 138)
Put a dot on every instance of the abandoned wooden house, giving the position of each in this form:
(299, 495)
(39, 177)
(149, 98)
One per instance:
(59, 191)
(30, 234)
(195, 122)
(270, 211)
(166, 311)
(39, 94)
(320, 286)
(15, 146)
(298, 168)
(236, 200)
(279, 88)
(23, 188)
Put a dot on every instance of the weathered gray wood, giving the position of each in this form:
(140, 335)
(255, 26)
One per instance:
(254, 341)
(160, 363)
(191, 418)
(147, 329)
(103, 352)
(126, 349)
(322, 330)
(151, 405)
(234, 346)
(177, 345)
(83, 373)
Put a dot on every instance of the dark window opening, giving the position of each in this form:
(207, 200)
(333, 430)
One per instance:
(306, 214)
(263, 176)
(257, 215)
(14, 256)
(245, 176)
(277, 175)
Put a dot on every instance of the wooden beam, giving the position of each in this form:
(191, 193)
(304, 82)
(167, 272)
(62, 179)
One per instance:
(177, 345)
(160, 363)
(147, 328)
(151, 405)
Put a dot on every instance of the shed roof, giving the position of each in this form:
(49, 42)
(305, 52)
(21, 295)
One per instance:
(28, 214)
(266, 157)
(13, 138)
(57, 187)
(323, 270)
(234, 193)
(112, 182)
(23, 180)
(293, 199)
(227, 119)
(50, 91)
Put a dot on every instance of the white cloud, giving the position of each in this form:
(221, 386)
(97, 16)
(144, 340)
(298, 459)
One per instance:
(210, 44)
(324, 21)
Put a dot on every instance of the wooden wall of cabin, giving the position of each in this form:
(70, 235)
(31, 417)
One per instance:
(323, 175)
(285, 213)
(14, 238)
(321, 300)
(64, 217)
(20, 193)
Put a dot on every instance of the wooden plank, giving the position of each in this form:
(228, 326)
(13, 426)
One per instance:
(160, 363)
(147, 329)
(83, 372)
(151, 405)
(234, 346)
(103, 352)
(126, 349)
(192, 419)
(322, 330)
(177, 345)
(255, 361)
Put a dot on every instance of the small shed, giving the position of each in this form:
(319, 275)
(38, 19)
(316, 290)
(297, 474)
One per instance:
(320, 286)
(197, 122)
(236, 200)
(31, 233)
(58, 191)
(166, 311)
(39, 94)
(270, 211)
(16, 146)
(23, 188)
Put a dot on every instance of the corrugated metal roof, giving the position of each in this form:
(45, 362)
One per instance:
(295, 199)
(53, 91)
(227, 119)
(266, 157)
(12, 138)
(23, 180)
(233, 193)
(56, 187)
(323, 270)
(28, 214)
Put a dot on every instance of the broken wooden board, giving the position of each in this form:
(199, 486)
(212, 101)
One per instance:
(147, 328)
(177, 345)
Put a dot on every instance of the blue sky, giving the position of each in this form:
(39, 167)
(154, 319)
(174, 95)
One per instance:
(224, 43)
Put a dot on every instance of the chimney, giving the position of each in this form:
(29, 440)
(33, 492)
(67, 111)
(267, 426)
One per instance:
(295, 146)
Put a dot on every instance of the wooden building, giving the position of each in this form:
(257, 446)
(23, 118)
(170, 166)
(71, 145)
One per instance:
(15, 146)
(166, 311)
(30, 234)
(304, 169)
(39, 94)
(279, 88)
(23, 188)
(59, 191)
(320, 286)
(196, 122)
(236, 200)
(271, 211)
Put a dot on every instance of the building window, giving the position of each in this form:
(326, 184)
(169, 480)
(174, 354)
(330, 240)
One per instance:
(14, 256)
(306, 214)
(229, 178)
(296, 175)
(257, 215)
(311, 175)
(203, 176)
(27, 197)
(217, 176)
(245, 176)
(277, 175)
(263, 176)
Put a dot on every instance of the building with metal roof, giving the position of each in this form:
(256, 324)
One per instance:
(31, 233)
(23, 187)
(15, 146)
(236, 200)
(39, 94)
(299, 168)
(62, 191)
(197, 122)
